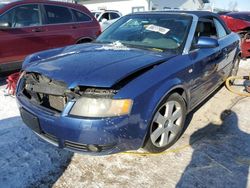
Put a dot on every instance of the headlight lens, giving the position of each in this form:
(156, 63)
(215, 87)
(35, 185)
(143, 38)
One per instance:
(101, 107)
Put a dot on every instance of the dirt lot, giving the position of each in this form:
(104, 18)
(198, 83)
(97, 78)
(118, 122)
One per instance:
(213, 152)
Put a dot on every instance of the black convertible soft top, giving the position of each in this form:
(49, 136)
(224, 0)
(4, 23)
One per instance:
(199, 14)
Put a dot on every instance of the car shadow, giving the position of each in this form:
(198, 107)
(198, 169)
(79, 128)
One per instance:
(191, 113)
(26, 160)
(221, 155)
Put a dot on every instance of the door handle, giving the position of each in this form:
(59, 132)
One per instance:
(213, 68)
(37, 30)
(225, 52)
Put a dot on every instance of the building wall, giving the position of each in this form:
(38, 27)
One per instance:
(127, 6)
(123, 6)
(181, 4)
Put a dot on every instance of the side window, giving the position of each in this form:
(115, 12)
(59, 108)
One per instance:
(208, 29)
(221, 32)
(81, 17)
(204, 28)
(22, 16)
(8, 17)
(105, 16)
(114, 15)
(57, 14)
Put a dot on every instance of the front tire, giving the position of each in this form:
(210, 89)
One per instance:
(167, 124)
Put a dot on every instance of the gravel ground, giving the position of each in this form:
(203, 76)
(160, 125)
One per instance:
(213, 152)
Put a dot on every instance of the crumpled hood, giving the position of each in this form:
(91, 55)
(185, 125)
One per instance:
(93, 65)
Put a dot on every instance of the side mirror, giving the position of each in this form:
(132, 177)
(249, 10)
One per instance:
(4, 25)
(207, 42)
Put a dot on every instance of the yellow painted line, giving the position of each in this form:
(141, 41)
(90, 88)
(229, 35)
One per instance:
(162, 153)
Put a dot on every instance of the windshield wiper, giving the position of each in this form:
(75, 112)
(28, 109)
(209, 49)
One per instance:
(145, 47)
(102, 42)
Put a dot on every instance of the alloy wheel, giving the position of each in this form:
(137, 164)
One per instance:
(166, 124)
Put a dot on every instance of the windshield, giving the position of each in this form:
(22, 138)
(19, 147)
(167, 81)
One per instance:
(155, 31)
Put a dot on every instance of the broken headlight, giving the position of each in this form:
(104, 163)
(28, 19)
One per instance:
(101, 107)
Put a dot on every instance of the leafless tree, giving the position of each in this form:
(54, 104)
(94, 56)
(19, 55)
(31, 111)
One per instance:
(233, 5)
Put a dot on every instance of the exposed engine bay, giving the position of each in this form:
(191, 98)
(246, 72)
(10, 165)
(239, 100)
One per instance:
(53, 94)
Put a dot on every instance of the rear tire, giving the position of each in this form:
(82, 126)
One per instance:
(84, 41)
(235, 68)
(167, 124)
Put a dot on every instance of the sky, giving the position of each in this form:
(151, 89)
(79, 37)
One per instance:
(242, 5)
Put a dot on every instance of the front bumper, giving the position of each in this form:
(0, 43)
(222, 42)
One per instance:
(108, 135)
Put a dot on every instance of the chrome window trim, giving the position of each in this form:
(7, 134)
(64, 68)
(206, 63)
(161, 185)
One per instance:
(48, 25)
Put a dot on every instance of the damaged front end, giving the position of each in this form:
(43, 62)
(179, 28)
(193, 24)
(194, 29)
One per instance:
(81, 119)
(87, 102)
(44, 91)
(54, 95)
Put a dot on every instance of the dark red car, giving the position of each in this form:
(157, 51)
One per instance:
(240, 22)
(33, 25)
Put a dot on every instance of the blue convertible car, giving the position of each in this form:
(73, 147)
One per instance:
(133, 87)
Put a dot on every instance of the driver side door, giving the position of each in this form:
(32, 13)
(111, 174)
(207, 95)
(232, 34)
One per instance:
(206, 63)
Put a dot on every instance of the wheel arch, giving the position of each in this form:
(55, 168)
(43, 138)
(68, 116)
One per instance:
(84, 40)
(175, 88)
(179, 89)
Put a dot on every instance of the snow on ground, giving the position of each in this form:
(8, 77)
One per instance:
(25, 160)
(213, 152)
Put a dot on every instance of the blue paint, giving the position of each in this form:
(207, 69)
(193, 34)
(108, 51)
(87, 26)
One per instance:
(198, 73)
